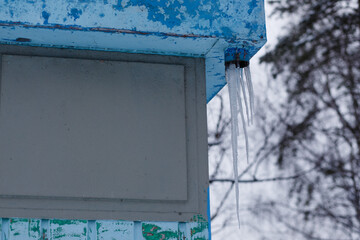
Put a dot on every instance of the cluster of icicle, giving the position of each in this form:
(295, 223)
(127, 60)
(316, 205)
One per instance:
(239, 98)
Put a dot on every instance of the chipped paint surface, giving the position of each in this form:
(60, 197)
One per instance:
(221, 18)
(31, 229)
(198, 228)
(68, 229)
(114, 230)
(175, 27)
(157, 231)
(18, 226)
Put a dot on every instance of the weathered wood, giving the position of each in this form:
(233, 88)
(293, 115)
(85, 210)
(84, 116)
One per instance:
(24, 229)
(44, 229)
(115, 230)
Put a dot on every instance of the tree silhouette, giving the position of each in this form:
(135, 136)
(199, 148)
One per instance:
(313, 135)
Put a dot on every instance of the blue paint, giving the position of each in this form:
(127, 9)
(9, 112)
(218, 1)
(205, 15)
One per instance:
(172, 13)
(195, 28)
(75, 13)
(227, 32)
(214, 90)
(46, 16)
(245, 52)
(252, 5)
(219, 18)
(253, 26)
(76, 27)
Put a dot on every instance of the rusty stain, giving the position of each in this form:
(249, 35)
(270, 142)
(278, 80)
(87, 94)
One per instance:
(20, 39)
(101, 29)
(245, 53)
(114, 30)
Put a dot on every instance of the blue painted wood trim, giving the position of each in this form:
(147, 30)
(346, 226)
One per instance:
(181, 27)
(231, 20)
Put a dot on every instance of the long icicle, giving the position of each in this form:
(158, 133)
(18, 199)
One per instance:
(241, 110)
(242, 84)
(237, 87)
(230, 77)
(251, 92)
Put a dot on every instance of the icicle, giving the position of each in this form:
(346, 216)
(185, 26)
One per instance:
(241, 79)
(230, 77)
(237, 88)
(251, 91)
(242, 86)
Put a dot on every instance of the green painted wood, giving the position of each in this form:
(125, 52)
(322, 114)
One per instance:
(68, 229)
(55, 229)
(114, 230)
(24, 229)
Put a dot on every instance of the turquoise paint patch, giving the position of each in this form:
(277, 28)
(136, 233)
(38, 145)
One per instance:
(68, 229)
(24, 229)
(153, 231)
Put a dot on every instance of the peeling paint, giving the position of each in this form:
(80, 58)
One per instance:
(114, 230)
(176, 27)
(252, 5)
(151, 231)
(30, 229)
(75, 13)
(46, 16)
(198, 17)
(68, 229)
(173, 13)
(199, 228)
(22, 229)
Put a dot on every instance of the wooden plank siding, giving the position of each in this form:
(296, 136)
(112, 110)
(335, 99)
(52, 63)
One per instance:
(55, 229)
